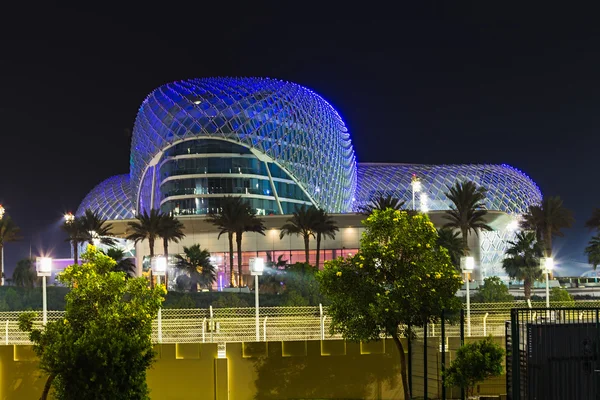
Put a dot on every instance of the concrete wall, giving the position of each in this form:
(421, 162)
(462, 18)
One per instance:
(264, 370)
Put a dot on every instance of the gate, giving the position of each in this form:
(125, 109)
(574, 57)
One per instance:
(552, 354)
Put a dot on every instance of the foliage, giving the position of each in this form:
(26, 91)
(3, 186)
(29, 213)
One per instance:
(231, 300)
(95, 229)
(493, 290)
(235, 217)
(562, 296)
(102, 347)
(401, 277)
(381, 203)
(467, 211)
(474, 363)
(170, 229)
(123, 264)
(302, 223)
(324, 227)
(147, 227)
(593, 251)
(594, 221)
(301, 286)
(24, 274)
(9, 232)
(196, 263)
(547, 221)
(452, 242)
(522, 260)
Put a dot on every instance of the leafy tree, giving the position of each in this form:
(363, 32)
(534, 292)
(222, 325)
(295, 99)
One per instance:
(452, 242)
(147, 227)
(400, 277)
(196, 263)
(594, 221)
(302, 223)
(300, 281)
(230, 300)
(593, 251)
(232, 218)
(467, 211)
(561, 296)
(170, 229)
(247, 222)
(547, 221)
(474, 363)
(9, 232)
(75, 235)
(522, 260)
(381, 203)
(123, 264)
(493, 290)
(24, 274)
(102, 348)
(325, 227)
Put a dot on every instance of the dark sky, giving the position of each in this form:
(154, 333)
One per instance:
(433, 83)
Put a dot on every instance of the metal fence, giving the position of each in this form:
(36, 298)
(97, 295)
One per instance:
(222, 325)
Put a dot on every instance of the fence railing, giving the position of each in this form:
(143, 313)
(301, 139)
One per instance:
(222, 325)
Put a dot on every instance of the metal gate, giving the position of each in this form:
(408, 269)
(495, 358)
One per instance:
(552, 354)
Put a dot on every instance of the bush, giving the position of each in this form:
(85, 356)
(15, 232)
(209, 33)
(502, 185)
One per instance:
(493, 290)
(560, 297)
(474, 363)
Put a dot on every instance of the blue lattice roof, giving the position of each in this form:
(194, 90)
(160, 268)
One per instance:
(111, 199)
(289, 123)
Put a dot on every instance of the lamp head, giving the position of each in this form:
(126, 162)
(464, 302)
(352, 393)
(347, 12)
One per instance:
(257, 265)
(43, 266)
(547, 264)
(159, 265)
(467, 264)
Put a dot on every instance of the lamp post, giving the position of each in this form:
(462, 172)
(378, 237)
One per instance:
(416, 188)
(467, 265)
(158, 265)
(2, 210)
(257, 266)
(43, 266)
(547, 265)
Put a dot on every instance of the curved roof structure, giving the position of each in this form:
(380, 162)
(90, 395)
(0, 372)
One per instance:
(111, 199)
(508, 189)
(282, 121)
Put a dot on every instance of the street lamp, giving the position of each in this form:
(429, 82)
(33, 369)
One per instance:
(257, 266)
(43, 266)
(2, 210)
(467, 265)
(547, 265)
(416, 188)
(424, 203)
(158, 265)
(69, 218)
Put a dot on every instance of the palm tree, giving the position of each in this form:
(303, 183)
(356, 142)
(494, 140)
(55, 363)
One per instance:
(9, 232)
(594, 221)
(197, 265)
(324, 227)
(547, 220)
(75, 235)
(302, 223)
(24, 274)
(382, 203)
(147, 227)
(451, 241)
(522, 260)
(94, 228)
(124, 264)
(170, 230)
(467, 210)
(593, 251)
(227, 220)
(248, 222)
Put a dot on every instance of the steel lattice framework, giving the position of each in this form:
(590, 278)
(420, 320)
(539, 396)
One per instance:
(111, 199)
(508, 189)
(290, 124)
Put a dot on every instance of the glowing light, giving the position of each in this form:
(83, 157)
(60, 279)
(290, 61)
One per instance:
(159, 265)
(415, 183)
(69, 217)
(467, 264)
(547, 264)
(257, 265)
(1, 211)
(43, 266)
(424, 203)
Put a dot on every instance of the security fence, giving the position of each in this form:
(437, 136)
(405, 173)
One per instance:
(223, 325)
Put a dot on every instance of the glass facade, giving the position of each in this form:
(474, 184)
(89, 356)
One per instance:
(194, 175)
(111, 199)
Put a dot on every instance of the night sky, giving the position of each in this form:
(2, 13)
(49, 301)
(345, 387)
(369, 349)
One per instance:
(435, 83)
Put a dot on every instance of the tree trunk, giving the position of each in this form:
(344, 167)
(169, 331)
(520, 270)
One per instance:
(318, 249)
(465, 237)
(166, 247)
(527, 288)
(231, 274)
(403, 371)
(75, 253)
(47, 386)
(151, 245)
(2, 259)
(238, 240)
(306, 248)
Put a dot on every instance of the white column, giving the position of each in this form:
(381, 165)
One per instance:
(468, 307)
(44, 302)
(256, 306)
